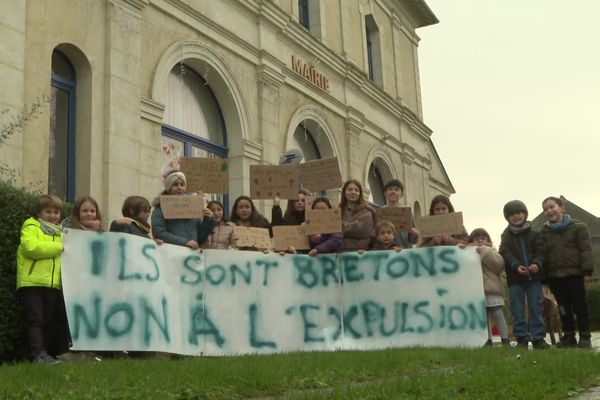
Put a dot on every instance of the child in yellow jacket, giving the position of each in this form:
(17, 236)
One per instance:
(39, 283)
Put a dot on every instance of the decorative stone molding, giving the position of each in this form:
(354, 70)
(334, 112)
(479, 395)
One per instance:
(270, 76)
(252, 150)
(136, 5)
(152, 110)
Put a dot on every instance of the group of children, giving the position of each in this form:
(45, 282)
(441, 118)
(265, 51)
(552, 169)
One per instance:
(561, 253)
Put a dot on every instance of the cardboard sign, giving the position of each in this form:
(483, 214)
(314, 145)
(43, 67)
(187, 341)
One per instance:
(181, 207)
(320, 174)
(268, 181)
(209, 175)
(290, 235)
(252, 237)
(323, 221)
(431, 225)
(401, 217)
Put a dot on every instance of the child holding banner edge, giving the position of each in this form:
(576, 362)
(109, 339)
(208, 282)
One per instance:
(322, 243)
(39, 282)
(492, 267)
(190, 232)
(358, 218)
(393, 192)
(222, 236)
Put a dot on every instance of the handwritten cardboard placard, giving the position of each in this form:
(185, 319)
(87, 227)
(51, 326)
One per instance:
(178, 207)
(252, 237)
(209, 175)
(432, 225)
(401, 217)
(322, 174)
(268, 181)
(290, 235)
(323, 221)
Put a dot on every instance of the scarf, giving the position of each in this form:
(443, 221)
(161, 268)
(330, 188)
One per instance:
(144, 226)
(95, 225)
(517, 230)
(49, 228)
(559, 226)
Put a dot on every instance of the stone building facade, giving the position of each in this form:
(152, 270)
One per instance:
(241, 79)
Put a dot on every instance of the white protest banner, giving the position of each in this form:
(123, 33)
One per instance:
(124, 292)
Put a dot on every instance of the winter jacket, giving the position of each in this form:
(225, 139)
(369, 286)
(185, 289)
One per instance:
(525, 248)
(127, 225)
(357, 227)
(221, 237)
(38, 257)
(492, 266)
(329, 243)
(569, 250)
(377, 245)
(180, 231)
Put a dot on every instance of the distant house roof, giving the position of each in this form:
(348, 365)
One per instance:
(574, 211)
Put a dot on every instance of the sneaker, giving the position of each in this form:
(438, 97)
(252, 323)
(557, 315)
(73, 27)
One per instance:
(505, 342)
(584, 343)
(540, 344)
(488, 343)
(523, 343)
(567, 341)
(45, 358)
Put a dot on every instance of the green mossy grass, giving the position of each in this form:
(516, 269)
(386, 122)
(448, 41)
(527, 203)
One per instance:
(423, 373)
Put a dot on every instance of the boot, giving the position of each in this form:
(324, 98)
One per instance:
(568, 340)
(585, 341)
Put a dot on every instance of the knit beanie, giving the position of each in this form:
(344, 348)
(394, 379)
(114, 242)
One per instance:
(515, 206)
(172, 177)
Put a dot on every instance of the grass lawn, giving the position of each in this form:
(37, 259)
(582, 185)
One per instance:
(490, 373)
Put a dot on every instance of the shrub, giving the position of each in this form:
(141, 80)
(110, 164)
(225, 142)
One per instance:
(16, 205)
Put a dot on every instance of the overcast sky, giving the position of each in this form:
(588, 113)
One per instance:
(511, 90)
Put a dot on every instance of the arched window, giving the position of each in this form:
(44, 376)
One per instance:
(61, 159)
(305, 141)
(193, 121)
(375, 181)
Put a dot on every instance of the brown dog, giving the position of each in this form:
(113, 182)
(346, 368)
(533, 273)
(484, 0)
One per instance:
(551, 315)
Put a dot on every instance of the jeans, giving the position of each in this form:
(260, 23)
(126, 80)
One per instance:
(532, 292)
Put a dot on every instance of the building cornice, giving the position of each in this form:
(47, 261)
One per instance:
(152, 110)
(297, 37)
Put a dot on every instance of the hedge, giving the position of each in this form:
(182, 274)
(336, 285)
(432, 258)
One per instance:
(16, 205)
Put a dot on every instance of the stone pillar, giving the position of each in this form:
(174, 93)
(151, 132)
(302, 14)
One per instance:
(122, 137)
(354, 129)
(13, 20)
